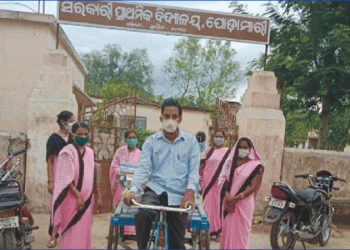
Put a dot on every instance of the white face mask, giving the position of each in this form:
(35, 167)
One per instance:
(170, 125)
(218, 141)
(69, 126)
(242, 153)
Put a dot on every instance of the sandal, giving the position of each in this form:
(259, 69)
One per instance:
(52, 243)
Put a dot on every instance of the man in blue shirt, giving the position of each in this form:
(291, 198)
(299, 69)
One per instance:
(170, 162)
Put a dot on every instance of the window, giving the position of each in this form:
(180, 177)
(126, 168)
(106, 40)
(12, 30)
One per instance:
(141, 122)
(126, 120)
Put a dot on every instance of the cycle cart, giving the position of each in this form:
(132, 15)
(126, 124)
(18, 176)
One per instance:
(198, 225)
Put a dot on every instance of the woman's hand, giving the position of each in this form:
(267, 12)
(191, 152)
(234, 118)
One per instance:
(50, 187)
(231, 208)
(229, 200)
(99, 205)
(81, 202)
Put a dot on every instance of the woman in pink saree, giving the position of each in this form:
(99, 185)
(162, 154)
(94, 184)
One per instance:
(241, 179)
(73, 198)
(212, 162)
(128, 153)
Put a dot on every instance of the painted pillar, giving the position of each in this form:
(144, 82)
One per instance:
(262, 120)
(53, 94)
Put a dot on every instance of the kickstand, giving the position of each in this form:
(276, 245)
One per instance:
(303, 244)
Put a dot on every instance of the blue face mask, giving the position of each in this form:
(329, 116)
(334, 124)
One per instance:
(132, 142)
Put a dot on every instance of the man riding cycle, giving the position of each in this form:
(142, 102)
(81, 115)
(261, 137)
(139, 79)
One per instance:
(170, 160)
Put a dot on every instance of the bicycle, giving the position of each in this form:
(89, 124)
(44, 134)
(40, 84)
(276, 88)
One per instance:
(160, 222)
(198, 223)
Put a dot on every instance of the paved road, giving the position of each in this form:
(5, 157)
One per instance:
(259, 239)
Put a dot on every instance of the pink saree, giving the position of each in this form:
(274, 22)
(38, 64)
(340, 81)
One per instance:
(74, 226)
(236, 226)
(122, 155)
(211, 201)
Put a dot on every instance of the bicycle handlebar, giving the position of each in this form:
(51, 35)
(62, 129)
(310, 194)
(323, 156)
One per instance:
(169, 209)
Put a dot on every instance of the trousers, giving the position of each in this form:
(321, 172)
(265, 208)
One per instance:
(144, 218)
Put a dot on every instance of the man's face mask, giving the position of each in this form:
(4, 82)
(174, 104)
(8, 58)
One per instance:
(170, 125)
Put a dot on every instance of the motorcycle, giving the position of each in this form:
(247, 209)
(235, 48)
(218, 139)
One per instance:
(16, 222)
(301, 215)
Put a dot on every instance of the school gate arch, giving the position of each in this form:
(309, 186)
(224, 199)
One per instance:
(162, 20)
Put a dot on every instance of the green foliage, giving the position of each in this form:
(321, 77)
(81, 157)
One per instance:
(239, 8)
(299, 121)
(339, 128)
(117, 90)
(133, 69)
(311, 53)
(201, 74)
(142, 135)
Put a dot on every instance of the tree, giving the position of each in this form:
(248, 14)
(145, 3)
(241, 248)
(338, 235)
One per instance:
(118, 90)
(203, 73)
(142, 135)
(113, 65)
(311, 53)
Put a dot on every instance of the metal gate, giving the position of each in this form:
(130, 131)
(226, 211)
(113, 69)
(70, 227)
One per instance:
(225, 120)
(108, 124)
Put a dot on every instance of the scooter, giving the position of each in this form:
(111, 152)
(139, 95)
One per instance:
(301, 215)
(16, 222)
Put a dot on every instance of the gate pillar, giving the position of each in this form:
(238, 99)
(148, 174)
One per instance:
(52, 95)
(262, 120)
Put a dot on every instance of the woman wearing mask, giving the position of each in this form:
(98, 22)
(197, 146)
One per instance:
(54, 145)
(241, 180)
(73, 196)
(212, 162)
(128, 153)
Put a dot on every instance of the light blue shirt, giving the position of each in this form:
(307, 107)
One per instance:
(170, 167)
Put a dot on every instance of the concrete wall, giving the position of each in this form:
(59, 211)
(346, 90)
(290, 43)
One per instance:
(36, 84)
(26, 42)
(308, 161)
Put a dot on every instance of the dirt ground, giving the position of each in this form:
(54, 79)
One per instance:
(260, 238)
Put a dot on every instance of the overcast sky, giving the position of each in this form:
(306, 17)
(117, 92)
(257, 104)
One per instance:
(159, 47)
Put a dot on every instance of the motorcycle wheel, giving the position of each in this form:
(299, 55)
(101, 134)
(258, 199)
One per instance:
(325, 235)
(277, 239)
(8, 239)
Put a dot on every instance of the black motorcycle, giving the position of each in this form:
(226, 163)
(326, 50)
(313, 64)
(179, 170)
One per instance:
(301, 215)
(16, 222)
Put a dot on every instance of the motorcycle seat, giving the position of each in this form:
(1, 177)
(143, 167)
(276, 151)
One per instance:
(307, 195)
(10, 204)
(9, 192)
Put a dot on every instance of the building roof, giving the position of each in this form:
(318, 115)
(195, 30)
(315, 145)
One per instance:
(82, 97)
(52, 22)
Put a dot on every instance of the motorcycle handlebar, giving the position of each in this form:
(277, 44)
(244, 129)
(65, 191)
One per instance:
(301, 176)
(18, 152)
(339, 179)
